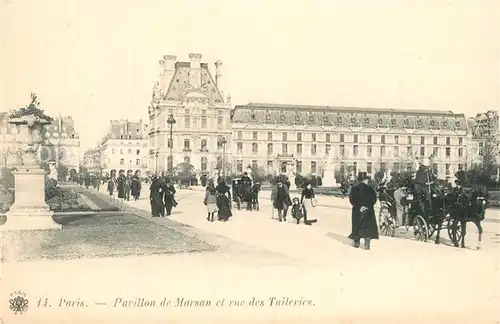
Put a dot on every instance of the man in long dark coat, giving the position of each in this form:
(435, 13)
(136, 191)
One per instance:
(280, 197)
(423, 178)
(155, 197)
(120, 184)
(136, 186)
(364, 224)
(168, 196)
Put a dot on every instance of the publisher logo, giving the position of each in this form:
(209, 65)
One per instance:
(18, 302)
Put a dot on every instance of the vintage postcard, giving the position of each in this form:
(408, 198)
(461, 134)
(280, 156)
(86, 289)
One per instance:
(250, 161)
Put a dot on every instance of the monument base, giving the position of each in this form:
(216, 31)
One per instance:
(293, 186)
(17, 222)
(29, 211)
(329, 179)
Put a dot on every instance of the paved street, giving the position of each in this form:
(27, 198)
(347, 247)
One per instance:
(260, 257)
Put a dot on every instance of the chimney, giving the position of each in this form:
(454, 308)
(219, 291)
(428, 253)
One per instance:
(218, 75)
(162, 68)
(195, 69)
(168, 71)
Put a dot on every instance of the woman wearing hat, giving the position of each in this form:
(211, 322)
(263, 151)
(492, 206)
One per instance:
(308, 200)
(364, 223)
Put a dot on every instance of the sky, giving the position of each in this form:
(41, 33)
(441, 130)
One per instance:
(97, 60)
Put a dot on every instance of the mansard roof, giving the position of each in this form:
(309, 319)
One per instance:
(180, 83)
(125, 128)
(62, 127)
(261, 113)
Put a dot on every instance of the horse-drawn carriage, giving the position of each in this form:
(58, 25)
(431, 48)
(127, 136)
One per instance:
(443, 209)
(245, 192)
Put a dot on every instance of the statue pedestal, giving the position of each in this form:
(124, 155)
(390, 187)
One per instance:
(329, 178)
(291, 178)
(29, 211)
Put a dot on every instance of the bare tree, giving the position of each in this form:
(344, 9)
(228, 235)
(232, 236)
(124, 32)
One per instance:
(487, 130)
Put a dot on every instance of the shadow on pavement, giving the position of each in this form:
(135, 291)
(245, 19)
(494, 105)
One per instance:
(339, 238)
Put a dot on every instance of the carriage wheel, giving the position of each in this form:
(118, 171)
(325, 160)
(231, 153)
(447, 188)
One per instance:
(420, 231)
(386, 222)
(454, 231)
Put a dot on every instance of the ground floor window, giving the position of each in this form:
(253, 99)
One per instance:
(239, 166)
(313, 167)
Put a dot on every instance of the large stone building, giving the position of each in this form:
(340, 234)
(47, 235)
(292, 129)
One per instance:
(188, 106)
(61, 142)
(188, 93)
(124, 147)
(282, 136)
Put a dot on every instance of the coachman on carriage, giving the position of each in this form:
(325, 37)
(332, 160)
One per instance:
(429, 207)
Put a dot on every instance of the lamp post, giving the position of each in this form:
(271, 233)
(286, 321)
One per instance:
(171, 121)
(224, 142)
(156, 165)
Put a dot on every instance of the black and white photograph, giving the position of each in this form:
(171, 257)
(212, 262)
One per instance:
(274, 161)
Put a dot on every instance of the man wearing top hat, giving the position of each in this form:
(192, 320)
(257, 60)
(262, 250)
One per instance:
(364, 224)
(423, 178)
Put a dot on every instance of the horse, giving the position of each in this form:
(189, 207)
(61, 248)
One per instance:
(255, 196)
(469, 206)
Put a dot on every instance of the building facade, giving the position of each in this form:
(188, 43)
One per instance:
(61, 142)
(124, 147)
(187, 93)
(91, 161)
(280, 136)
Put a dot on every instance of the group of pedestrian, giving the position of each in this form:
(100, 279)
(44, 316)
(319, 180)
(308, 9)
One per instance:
(218, 200)
(126, 185)
(302, 208)
(162, 196)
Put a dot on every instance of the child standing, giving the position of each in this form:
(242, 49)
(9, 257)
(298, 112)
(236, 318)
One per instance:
(211, 201)
(297, 211)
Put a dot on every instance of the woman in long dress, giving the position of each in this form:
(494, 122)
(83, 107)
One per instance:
(223, 201)
(307, 200)
(211, 201)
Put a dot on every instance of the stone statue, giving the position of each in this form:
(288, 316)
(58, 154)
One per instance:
(329, 172)
(30, 211)
(53, 171)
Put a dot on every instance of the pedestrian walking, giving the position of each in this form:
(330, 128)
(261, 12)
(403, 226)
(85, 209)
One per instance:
(111, 186)
(281, 200)
(120, 184)
(308, 200)
(211, 201)
(155, 197)
(136, 186)
(223, 201)
(127, 187)
(364, 223)
(169, 197)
